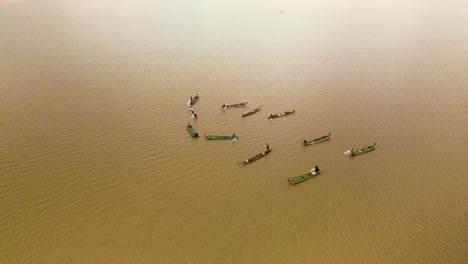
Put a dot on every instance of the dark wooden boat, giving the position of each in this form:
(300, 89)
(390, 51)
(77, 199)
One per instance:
(194, 100)
(256, 157)
(316, 140)
(251, 112)
(234, 105)
(281, 114)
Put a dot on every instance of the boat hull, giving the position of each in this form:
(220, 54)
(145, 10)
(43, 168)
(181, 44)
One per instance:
(256, 157)
(251, 112)
(235, 105)
(281, 114)
(303, 177)
(318, 140)
(353, 152)
(191, 131)
(194, 100)
(213, 137)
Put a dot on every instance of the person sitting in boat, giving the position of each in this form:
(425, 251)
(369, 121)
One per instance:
(305, 141)
(271, 116)
(315, 169)
(352, 152)
(233, 135)
(195, 115)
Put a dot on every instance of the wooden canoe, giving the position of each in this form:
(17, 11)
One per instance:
(317, 140)
(281, 114)
(234, 105)
(303, 177)
(256, 157)
(353, 152)
(251, 112)
(191, 130)
(213, 137)
(194, 100)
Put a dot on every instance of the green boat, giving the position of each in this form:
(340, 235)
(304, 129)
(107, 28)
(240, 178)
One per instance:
(191, 130)
(353, 152)
(303, 177)
(251, 112)
(281, 114)
(256, 157)
(234, 105)
(193, 100)
(213, 137)
(317, 140)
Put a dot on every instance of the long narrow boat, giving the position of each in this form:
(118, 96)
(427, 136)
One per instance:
(193, 100)
(317, 140)
(303, 177)
(213, 137)
(251, 112)
(191, 130)
(234, 105)
(281, 114)
(256, 157)
(353, 152)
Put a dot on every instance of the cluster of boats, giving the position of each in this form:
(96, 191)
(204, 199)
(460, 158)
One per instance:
(313, 172)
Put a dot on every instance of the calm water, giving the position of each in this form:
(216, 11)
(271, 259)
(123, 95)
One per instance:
(96, 165)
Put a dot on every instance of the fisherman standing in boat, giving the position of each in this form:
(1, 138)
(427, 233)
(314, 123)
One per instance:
(267, 147)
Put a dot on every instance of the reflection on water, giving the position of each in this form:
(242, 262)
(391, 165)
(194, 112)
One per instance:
(97, 164)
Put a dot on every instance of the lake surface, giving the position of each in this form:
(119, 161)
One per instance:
(96, 165)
